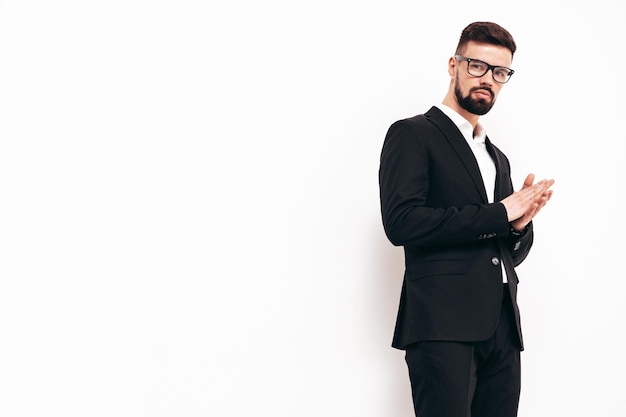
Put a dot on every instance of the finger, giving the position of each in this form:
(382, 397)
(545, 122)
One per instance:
(546, 196)
(535, 190)
(530, 214)
(542, 203)
(530, 178)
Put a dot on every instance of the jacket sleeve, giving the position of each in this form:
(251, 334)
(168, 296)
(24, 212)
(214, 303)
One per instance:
(406, 168)
(520, 245)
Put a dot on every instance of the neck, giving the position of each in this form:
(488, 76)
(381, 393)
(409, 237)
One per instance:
(451, 102)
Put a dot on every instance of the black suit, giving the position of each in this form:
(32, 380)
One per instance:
(434, 204)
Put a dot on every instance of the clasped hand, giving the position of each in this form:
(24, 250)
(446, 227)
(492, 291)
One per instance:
(523, 205)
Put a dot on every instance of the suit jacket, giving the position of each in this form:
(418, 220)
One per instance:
(434, 204)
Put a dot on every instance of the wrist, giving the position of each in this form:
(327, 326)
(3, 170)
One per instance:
(519, 233)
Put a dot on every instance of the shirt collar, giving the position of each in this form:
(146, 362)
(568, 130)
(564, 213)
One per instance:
(472, 136)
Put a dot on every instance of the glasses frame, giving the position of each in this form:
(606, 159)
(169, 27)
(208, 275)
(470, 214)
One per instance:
(489, 67)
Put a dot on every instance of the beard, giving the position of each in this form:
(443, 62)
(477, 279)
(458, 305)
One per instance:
(474, 106)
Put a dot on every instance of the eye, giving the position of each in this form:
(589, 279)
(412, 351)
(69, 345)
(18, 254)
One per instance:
(501, 72)
(477, 66)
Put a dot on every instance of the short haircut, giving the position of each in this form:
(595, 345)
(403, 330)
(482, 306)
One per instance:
(486, 32)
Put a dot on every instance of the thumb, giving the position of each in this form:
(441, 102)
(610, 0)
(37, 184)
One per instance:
(530, 178)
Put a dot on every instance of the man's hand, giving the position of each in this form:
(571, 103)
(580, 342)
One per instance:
(523, 205)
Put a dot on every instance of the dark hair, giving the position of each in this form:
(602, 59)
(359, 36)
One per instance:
(486, 32)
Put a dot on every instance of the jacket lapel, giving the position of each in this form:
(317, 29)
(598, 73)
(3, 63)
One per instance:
(460, 146)
(501, 189)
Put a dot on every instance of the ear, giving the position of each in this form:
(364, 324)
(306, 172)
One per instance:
(452, 66)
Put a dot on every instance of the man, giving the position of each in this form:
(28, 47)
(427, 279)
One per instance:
(447, 197)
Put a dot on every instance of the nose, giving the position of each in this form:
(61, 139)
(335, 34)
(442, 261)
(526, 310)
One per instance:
(487, 77)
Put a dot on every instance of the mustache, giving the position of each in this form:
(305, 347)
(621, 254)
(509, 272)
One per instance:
(482, 88)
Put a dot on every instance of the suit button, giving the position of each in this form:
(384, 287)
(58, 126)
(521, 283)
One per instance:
(495, 261)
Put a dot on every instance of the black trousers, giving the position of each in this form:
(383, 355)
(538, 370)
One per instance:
(468, 379)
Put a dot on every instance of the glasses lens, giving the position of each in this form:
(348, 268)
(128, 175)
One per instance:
(477, 68)
(501, 74)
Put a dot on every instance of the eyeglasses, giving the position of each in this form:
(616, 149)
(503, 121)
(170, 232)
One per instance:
(479, 68)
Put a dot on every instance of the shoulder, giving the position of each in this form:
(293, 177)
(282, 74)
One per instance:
(414, 125)
(434, 115)
(422, 127)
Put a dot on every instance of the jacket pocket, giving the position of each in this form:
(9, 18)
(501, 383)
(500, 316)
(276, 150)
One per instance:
(439, 267)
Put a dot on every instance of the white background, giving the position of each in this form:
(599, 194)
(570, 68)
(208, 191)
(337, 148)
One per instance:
(189, 215)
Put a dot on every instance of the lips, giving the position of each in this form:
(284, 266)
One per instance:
(483, 93)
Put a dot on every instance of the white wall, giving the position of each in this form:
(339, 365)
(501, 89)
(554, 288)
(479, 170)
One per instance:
(189, 202)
